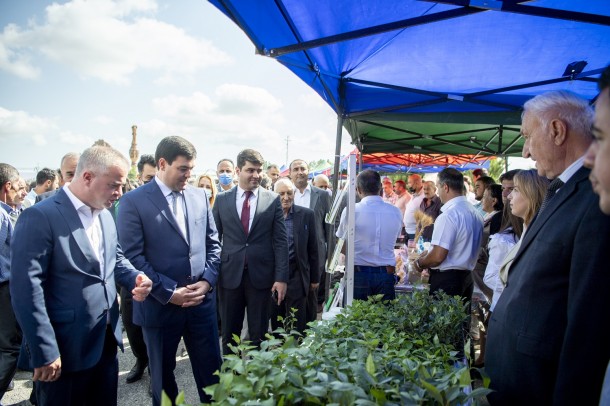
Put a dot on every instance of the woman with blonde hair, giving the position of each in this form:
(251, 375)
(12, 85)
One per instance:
(525, 201)
(206, 182)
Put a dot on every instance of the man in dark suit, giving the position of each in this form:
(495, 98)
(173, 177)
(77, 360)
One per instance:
(302, 257)
(598, 159)
(319, 201)
(254, 251)
(548, 336)
(167, 230)
(65, 262)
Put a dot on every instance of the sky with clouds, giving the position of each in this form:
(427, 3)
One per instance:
(72, 72)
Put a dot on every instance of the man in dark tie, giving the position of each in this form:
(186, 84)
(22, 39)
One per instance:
(65, 264)
(548, 335)
(254, 251)
(167, 230)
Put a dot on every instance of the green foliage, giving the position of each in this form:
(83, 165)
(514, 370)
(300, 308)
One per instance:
(132, 174)
(496, 168)
(374, 353)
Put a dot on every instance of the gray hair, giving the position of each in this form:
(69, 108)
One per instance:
(321, 177)
(283, 181)
(70, 155)
(567, 106)
(8, 173)
(99, 159)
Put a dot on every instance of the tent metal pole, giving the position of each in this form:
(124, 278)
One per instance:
(337, 171)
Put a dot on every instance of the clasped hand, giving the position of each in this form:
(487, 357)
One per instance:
(190, 295)
(142, 289)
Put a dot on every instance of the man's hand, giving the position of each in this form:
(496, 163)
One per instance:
(280, 288)
(142, 289)
(313, 286)
(190, 295)
(48, 373)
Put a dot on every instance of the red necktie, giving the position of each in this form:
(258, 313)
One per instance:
(245, 212)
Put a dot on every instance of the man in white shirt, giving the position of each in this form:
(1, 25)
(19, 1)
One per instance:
(319, 201)
(377, 227)
(455, 241)
(415, 187)
(46, 181)
(400, 188)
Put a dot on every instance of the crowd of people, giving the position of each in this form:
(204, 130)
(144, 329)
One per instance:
(196, 259)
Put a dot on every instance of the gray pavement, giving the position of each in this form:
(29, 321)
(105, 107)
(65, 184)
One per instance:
(135, 394)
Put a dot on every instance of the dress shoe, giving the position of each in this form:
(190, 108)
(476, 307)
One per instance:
(136, 372)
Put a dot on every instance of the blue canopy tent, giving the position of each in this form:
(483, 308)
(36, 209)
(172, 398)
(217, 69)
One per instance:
(445, 77)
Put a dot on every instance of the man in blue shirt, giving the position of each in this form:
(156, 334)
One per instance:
(10, 333)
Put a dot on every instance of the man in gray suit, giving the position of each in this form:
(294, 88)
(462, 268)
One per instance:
(319, 201)
(254, 256)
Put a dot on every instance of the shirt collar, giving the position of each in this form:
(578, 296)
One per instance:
(572, 169)
(80, 206)
(307, 188)
(371, 198)
(6, 207)
(453, 202)
(164, 189)
(240, 192)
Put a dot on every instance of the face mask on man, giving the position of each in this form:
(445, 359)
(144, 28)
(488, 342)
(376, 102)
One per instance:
(225, 179)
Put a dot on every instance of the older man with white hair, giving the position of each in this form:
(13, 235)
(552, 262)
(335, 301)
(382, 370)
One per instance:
(548, 335)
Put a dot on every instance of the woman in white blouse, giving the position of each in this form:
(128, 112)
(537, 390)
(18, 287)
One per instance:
(525, 200)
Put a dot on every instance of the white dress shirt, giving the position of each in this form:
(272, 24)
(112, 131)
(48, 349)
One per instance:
(239, 203)
(377, 227)
(90, 218)
(459, 230)
(410, 209)
(303, 199)
(180, 205)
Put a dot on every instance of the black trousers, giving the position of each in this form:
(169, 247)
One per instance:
(95, 386)
(134, 332)
(233, 303)
(10, 339)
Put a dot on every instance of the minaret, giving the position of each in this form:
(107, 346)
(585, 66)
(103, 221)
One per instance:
(134, 154)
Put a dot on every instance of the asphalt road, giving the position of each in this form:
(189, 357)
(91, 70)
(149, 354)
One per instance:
(135, 394)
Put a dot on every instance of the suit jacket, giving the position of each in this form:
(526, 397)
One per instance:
(306, 251)
(548, 335)
(320, 203)
(266, 244)
(154, 243)
(46, 195)
(61, 298)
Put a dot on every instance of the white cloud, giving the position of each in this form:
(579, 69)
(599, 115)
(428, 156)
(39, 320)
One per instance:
(26, 127)
(108, 40)
(72, 139)
(104, 120)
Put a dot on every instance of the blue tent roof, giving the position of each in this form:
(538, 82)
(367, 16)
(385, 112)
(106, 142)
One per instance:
(390, 67)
